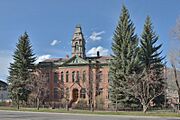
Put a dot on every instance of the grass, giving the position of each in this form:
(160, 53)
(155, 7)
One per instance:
(130, 113)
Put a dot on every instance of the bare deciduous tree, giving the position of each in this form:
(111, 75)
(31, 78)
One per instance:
(175, 32)
(174, 55)
(145, 88)
(39, 87)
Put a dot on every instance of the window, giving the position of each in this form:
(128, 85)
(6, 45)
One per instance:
(91, 76)
(100, 91)
(84, 76)
(76, 46)
(109, 77)
(67, 92)
(78, 77)
(56, 77)
(56, 93)
(62, 92)
(62, 77)
(73, 76)
(47, 77)
(107, 97)
(83, 93)
(67, 76)
(99, 76)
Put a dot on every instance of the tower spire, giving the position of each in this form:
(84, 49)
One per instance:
(78, 42)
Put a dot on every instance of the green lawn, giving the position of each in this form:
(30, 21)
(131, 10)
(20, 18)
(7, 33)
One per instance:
(152, 113)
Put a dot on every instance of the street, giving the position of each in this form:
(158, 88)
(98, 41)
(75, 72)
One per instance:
(16, 115)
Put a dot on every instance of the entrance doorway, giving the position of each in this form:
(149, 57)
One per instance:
(74, 95)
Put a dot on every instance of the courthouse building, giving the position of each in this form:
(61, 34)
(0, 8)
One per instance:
(77, 77)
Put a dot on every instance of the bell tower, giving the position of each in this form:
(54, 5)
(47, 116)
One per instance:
(78, 43)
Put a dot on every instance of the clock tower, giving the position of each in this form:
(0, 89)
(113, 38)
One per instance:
(78, 43)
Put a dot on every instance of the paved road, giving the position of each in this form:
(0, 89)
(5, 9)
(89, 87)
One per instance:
(13, 115)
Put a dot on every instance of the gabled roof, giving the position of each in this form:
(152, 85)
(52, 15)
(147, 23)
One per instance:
(75, 60)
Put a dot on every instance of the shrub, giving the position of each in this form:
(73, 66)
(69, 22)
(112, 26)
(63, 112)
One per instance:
(81, 104)
(99, 102)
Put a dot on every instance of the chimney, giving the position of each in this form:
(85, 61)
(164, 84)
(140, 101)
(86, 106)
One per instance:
(98, 54)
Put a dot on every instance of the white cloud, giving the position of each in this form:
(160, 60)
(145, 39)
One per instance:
(42, 58)
(96, 35)
(93, 51)
(5, 60)
(55, 42)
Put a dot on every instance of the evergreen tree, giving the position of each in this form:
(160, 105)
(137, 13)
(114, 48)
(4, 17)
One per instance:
(153, 84)
(125, 60)
(20, 70)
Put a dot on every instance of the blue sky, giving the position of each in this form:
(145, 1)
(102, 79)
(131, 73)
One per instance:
(50, 24)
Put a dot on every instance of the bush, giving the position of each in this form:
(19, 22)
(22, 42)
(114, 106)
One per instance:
(82, 104)
(63, 103)
(99, 102)
(2, 103)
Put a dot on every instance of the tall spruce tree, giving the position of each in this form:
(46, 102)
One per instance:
(153, 84)
(20, 70)
(125, 60)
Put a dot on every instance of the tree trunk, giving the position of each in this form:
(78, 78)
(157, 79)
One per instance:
(177, 84)
(38, 103)
(145, 107)
(116, 106)
(92, 107)
(178, 101)
(18, 102)
(67, 106)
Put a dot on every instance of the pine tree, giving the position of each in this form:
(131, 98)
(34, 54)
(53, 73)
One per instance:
(20, 70)
(125, 60)
(153, 83)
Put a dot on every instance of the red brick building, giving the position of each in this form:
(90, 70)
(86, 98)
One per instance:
(78, 77)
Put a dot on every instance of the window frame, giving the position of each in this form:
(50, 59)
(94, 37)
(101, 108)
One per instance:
(83, 93)
(67, 76)
(62, 77)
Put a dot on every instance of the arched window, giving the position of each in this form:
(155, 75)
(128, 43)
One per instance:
(67, 92)
(83, 93)
(67, 76)
(76, 46)
(73, 76)
(56, 77)
(100, 76)
(62, 92)
(62, 77)
(78, 77)
(56, 92)
(109, 77)
(47, 77)
(84, 76)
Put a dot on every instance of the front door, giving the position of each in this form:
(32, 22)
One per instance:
(75, 95)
